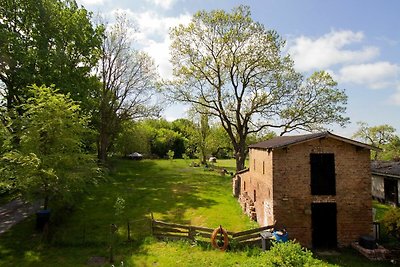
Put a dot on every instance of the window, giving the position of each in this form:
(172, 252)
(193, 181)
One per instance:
(254, 164)
(323, 180)
(244, 185)
(263, 167)
(255, 196)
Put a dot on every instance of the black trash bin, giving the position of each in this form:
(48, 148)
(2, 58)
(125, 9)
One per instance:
(42, 218)
(367, 242)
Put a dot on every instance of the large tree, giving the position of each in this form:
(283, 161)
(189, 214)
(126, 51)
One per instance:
(127, 76)
(47, 42)
(379, 136)
(233, 67)
(50, 161)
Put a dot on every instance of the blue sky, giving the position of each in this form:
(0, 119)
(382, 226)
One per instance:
(357, 41)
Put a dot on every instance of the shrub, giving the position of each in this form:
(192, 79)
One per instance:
(290, 254)
(170, 154)
(391, 221)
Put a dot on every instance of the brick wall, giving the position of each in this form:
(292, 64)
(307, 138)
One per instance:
(286, 197)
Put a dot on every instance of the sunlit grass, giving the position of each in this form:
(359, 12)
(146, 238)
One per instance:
(171, 190)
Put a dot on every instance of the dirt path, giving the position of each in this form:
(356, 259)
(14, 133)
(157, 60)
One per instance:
(14, 212)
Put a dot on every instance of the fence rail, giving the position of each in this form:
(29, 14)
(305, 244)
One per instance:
(168, 230)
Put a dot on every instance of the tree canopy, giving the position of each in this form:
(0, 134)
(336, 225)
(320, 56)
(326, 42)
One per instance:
(234, 68)
(381, 136)
(47, 42)
(49, 161)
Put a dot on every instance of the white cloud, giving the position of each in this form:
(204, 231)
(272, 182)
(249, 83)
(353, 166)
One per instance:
(152, 24)
(153, 35)
(159, 51)
(376, 75)
(165, 4)
(329, 50)
(395, 99)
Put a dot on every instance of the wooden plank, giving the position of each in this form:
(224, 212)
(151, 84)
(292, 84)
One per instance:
(171, 224)
(204, 235)
(247, 237)
(170, 236)
(203, 229)
(166, 230)
(256, 230)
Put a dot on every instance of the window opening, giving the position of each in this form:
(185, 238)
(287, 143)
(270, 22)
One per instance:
(323, 180)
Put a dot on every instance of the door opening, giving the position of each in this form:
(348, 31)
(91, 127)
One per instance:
(324, 221)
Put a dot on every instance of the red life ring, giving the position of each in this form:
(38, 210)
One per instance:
(214, 234)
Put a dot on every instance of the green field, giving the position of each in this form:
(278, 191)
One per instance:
(172, 191)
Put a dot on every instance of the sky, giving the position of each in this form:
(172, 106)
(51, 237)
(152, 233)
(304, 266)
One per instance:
(356, 41)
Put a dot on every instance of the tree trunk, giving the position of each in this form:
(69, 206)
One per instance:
(102, 145)
(240, 156)
(102, 150)
(46, 202)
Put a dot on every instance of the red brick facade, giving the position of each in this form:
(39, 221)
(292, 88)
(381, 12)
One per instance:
(277, 185)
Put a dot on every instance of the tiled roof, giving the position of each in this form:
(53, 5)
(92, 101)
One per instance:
(285, 141)
(386, 168)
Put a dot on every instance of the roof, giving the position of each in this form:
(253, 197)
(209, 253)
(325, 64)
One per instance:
(386, 168)
(285, 141)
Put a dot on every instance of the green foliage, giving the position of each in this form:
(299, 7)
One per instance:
(391, 222)
(218, 142)
(290, 254)
(49, 161)
(188, 131)
(47, 42)
(381, 136)
(391, 150)
(133, 138)
(170, 154)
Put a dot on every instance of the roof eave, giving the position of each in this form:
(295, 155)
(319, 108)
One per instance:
(386, 174)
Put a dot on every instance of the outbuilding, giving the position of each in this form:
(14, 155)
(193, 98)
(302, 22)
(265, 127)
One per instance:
(317, 186)
(386, 181)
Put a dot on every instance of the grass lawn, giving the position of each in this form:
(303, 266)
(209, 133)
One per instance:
(173, 191)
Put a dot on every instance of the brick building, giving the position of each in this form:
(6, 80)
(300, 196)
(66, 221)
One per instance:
(318, 186)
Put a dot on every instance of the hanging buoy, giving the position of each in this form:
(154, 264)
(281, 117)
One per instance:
(222, 234)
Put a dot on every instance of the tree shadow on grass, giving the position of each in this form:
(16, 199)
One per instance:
(147, 186)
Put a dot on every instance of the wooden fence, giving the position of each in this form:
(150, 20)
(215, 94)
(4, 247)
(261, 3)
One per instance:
(175, 231)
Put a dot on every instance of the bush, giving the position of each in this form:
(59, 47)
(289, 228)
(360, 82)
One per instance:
(391, 222)
(290, 254)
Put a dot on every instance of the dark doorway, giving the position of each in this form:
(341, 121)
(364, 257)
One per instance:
(324, 233)
(391, 191)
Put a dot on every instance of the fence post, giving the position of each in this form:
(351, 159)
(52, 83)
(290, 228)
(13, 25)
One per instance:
(191, 233)
(152, 224)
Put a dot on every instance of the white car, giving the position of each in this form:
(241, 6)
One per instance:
(136, 156)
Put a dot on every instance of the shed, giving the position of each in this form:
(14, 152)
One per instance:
(386, 181)
(317, 186)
